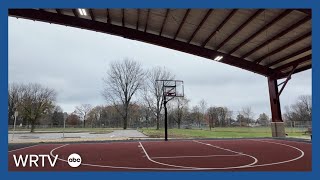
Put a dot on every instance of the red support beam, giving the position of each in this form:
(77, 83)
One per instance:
(164, 22)
(275, 20)
(300, 69)
(284, 47)
(182, 22)
(309, 66)
(140, 36)
(219, 27)
(297, 70)
(287, 80)
(200, 24)
(290, 56)
(243, 25)
(282, 33)
(274, 100)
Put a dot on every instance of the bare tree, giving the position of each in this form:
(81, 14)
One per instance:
(123, 80)
(212, 113)
(82, 111)
(301, 110)
(180, 105)
(14, 97)
(197, 115)
(153, 93)
(203, 107)
(73, 120)
(94, 116)
(36, 100)
(263, 119)
(248, 114)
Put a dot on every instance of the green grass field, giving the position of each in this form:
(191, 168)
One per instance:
(232, 132)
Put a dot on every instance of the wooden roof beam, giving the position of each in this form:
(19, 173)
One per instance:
(306, 11)
(219, 27)
(146, 26)
(294, 63)
(289, 56)
(123, 18)
(182, 22)
(75, 13)
(92, 15)
(243, 25)
(58, 11)
(275, 20)
(108, 17)
(200, 24)
(283, 47)
(164, 22)
(277, 36)
(138, 19)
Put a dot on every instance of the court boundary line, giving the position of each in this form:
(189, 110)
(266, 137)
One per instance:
(24, 147)
(199, 168)
(189, 169)
(281, 162)
(213, 155)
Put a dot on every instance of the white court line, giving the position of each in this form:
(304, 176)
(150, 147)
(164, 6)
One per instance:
(24, 147)
(186, 169)
(199, 168)
(114, 167)
(280, 162)
(174, 157)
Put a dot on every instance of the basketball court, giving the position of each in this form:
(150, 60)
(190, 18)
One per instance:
(176, 155)
(284, 51)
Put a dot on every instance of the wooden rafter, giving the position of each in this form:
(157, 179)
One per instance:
(108, 17)
(182, 22)
(92, 15)
(200, 24)
(219, 27)
(243, 25)
(277, 36)
(283, 47)
(275, 20)
(164, 22)
(294, 63)
(146, 26)
(289, 56)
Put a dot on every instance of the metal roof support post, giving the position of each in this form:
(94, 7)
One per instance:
(277, 125)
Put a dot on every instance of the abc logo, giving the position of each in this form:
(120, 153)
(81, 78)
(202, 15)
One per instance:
(74, 160)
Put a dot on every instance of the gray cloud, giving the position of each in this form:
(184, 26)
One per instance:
(74, 61)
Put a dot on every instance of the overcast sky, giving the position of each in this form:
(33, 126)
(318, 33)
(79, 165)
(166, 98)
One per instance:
(73, 62)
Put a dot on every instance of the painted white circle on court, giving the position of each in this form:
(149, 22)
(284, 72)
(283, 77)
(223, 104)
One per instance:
(74, 160)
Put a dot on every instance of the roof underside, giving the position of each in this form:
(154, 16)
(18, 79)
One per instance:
(270, 42)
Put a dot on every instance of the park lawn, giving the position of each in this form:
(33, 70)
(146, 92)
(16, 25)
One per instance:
(234, 132)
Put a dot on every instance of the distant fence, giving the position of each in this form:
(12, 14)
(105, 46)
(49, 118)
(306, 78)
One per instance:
(291, 127)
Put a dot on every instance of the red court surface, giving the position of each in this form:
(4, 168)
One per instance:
(176, 155)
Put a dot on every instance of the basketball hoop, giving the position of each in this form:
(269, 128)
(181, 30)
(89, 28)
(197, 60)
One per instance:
(170, 90)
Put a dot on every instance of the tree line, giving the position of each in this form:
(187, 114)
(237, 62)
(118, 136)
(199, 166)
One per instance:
(133, 99)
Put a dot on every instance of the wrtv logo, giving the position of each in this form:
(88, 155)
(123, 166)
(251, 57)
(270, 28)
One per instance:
(33, 160)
